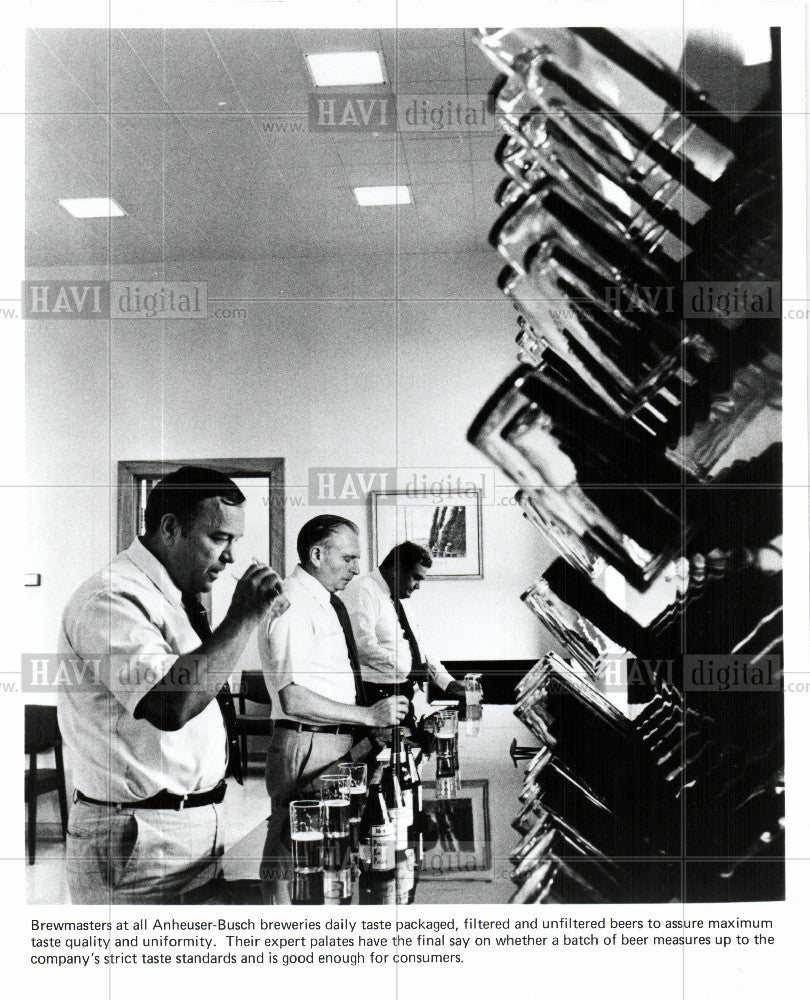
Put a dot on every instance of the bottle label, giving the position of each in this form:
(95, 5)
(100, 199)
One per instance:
(407, 795)
(383, 847)
(399, 818)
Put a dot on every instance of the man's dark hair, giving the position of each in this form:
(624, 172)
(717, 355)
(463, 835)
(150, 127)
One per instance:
(318, 530)
(405, 557)
(181, 492)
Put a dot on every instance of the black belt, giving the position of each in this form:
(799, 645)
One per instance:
(406, 688)
(305, 727)
(163, 799)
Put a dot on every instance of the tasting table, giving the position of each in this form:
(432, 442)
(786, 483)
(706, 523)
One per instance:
(477, 871)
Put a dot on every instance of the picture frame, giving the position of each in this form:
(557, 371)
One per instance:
(446, 522)
(463, 848)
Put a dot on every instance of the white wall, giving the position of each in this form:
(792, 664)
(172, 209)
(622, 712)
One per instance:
(339, 362)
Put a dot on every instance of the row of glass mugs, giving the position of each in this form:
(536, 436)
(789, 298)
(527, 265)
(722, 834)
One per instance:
(325, 837)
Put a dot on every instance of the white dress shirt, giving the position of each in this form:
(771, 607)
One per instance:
(125, 627)
(306, 645)
(385, 653)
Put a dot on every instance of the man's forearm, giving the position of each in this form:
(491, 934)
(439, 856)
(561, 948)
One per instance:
(196, 677)
(443, 679)
(300, 702)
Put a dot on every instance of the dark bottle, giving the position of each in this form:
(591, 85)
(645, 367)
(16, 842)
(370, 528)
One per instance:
(375, 890)
(401, 767)
(418, 810)
(399, 806)
(377, 834)
(405, 877)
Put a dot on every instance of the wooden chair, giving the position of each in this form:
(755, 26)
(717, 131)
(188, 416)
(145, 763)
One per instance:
(41, 736)
(252, 688)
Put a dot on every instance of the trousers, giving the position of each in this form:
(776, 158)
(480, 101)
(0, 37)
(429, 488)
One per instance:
(117, 854)
(294, 762)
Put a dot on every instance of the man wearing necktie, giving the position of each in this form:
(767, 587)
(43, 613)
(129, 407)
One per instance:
(320, 706)
(149, 730)
(390, 657)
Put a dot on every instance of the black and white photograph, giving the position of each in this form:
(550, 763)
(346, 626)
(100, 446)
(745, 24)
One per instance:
(412, 520)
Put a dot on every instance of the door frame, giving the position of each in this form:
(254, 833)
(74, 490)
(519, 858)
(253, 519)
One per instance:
(130, 473)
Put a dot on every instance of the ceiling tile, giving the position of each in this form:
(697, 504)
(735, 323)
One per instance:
(429, 38)
(487, 176)
(478, 65)
(378, 173)
(446, 63)
(50, 87)
(484, 85)
(363, 152)
(196, 79)
(149, 46)
(53, 157)
(299, 148)
(135, 86)
(440, 173)
(439, 199)
(84, 54)
(427, 147)
(395, 42)
(267, 69)
(482, 147)
(337, 39)
(436, 91)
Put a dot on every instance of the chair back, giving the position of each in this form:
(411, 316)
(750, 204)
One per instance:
(253, 688)
(41, 728)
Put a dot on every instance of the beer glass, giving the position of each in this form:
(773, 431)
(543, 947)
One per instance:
(473, 696)
(357, 774)
(446, 732)
(446, 723)
(335, 797)
(306, 833)
(448, 782)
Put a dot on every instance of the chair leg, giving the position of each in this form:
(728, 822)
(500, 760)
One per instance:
(32, 811)
(244, 748)
(61, 790)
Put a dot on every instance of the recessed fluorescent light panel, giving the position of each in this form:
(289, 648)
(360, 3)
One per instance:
(92, 208)
(384, 195)
(345, 69)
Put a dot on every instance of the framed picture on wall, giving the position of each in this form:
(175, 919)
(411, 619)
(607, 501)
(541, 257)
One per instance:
(457, 834)
(446, 523)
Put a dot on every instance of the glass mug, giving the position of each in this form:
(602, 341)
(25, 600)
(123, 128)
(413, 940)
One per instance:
(335, 799)
(358, 787)
(306, 834)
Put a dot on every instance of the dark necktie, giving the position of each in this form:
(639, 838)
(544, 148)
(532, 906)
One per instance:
(418, 672)
(351, 646)
(199, 622)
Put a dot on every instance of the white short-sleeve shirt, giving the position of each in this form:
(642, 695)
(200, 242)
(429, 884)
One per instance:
(385, 654)
(306, 645)
(125, 627)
